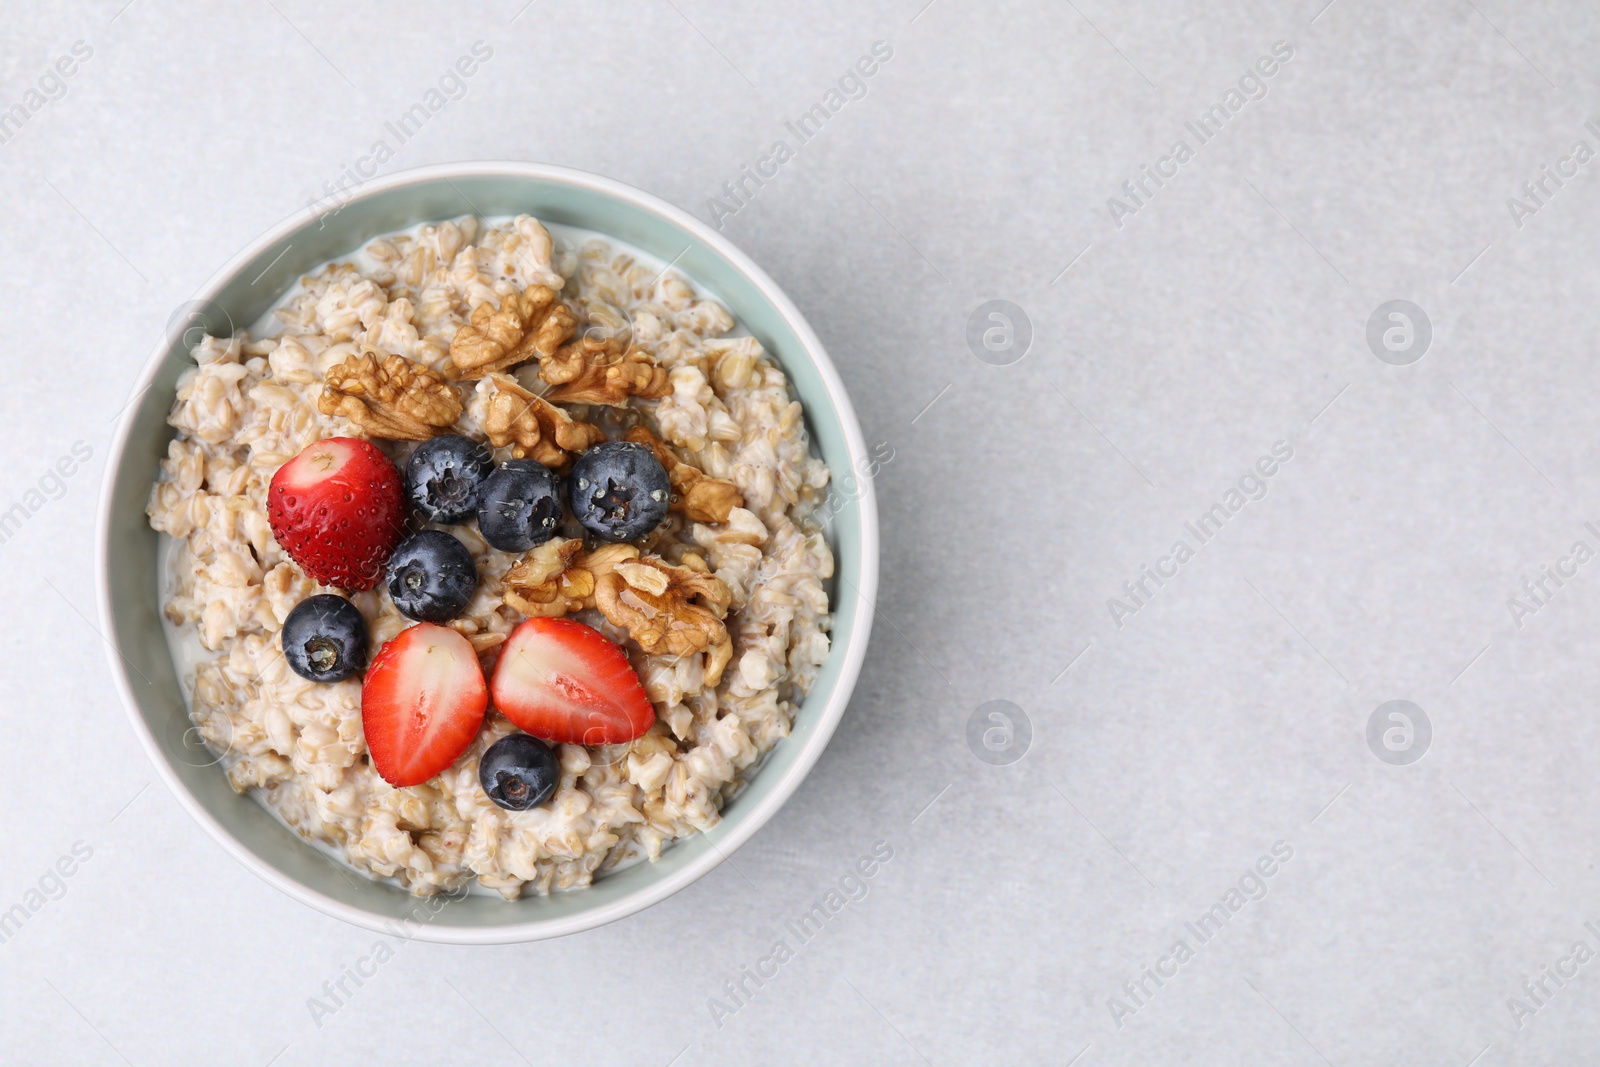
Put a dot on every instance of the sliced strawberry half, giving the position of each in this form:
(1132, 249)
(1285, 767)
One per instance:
(421, 703)
(563, 681)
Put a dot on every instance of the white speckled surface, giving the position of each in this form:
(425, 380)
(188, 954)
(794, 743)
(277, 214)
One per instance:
(1227, 714)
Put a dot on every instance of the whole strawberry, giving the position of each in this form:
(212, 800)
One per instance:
(338, 510)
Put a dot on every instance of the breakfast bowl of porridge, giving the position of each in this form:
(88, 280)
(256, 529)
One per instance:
(487, 554)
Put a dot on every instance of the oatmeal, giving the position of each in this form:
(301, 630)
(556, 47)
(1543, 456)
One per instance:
(668, 552)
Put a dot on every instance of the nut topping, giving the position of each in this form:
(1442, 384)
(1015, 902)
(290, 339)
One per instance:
(591, 371)
(558, 576)
(672, 611)
(533, 426)
(669, 611)
(545, 583)
(533, 324)
(392, 398)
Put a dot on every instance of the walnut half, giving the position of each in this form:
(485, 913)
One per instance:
(667, 610)
(533, 324)
(558, 576)
(392, 398)
(533, 426)
(593, 371)
(544, 583)
(670, 611)
(697, 496)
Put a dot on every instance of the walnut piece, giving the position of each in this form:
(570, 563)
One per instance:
(533, 426)
(392, 398)
(593, 371)
(667, 610)
(670, 611)
(544, 583)
(697, 496)
(533, 324)
(558, 576)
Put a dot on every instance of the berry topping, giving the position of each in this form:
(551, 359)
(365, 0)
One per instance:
(563, 681)
(337, 510)
(519, 506)
(431, 576)
(619, 490)
(325, 638)
(519, 772)
(445, 475)
(422, 703)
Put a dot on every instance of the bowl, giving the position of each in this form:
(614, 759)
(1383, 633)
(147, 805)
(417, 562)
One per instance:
(129, 578)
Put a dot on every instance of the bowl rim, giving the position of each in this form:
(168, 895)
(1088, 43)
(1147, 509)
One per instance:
(747, 821)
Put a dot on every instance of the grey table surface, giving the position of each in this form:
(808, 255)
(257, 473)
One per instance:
(1170, 737)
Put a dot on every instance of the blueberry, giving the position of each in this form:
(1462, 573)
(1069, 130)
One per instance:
(431, 576)
(519, 772)
(325, 639)
(619, 490)
(445, 475)
(520, 505)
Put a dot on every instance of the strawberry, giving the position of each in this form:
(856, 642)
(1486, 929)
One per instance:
(563, 681)
(338, 510)
(421, 703)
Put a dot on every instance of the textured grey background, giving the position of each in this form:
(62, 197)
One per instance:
(1229, 714)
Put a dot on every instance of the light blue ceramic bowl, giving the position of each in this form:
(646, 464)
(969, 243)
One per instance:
(240, 293)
